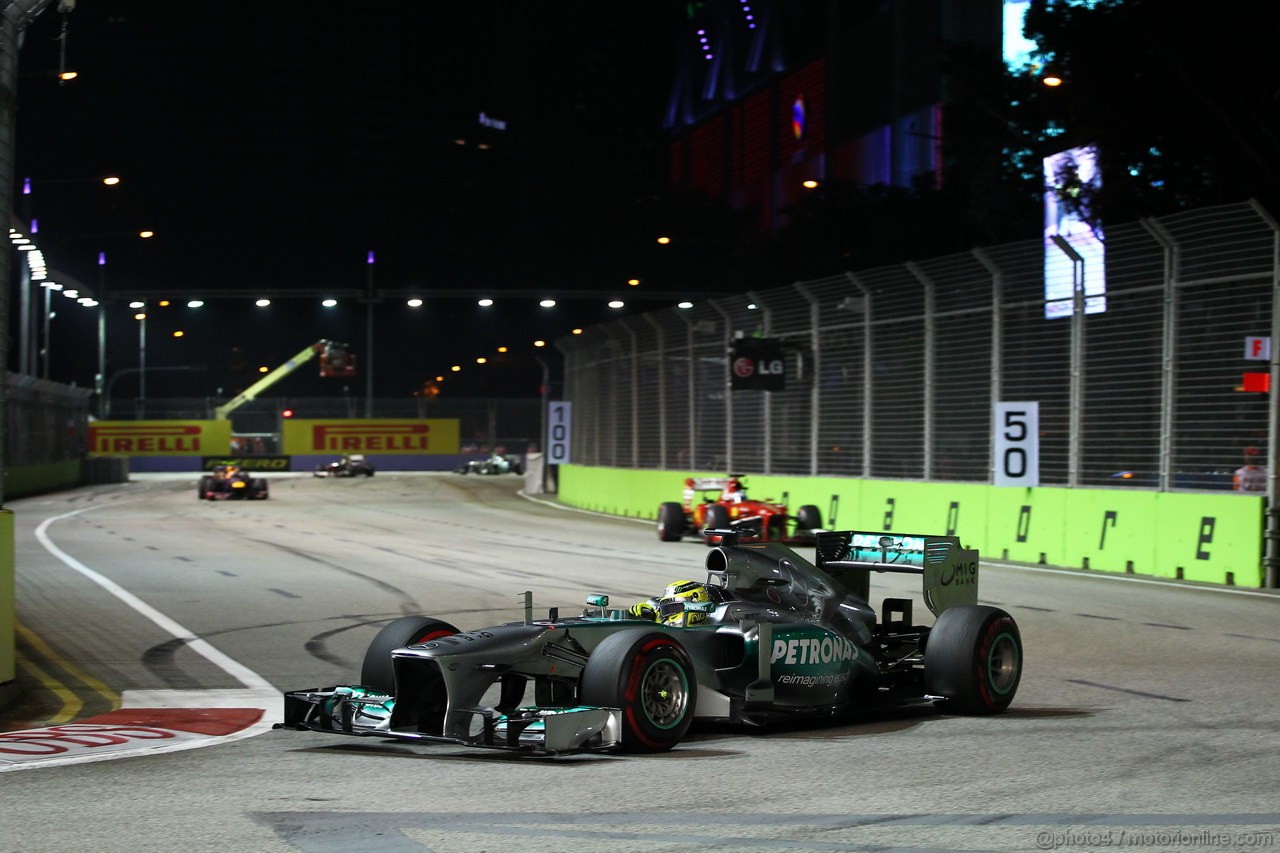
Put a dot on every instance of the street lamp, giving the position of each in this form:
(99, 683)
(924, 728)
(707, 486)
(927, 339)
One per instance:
(141, 317)
(101, 380)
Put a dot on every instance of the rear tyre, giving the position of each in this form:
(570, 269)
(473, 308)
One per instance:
(809, 517)
(377, 671)
(203, 489)
(649, 675)
(670, 522)
(258, 488)
(973, 659)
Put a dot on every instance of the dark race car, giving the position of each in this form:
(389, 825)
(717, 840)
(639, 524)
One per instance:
(720, 503)
(494, 464)
(770, 637)
(228, 482)
(352, 465)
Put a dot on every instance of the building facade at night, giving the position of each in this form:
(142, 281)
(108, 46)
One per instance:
(770, 95)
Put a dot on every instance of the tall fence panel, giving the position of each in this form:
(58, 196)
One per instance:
(892, 373)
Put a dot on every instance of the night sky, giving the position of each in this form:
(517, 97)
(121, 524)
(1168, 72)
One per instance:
(273, 144)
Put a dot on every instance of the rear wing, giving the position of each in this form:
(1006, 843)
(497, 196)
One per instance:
(949, 571)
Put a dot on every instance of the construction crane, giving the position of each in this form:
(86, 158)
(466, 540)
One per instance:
(335, 360)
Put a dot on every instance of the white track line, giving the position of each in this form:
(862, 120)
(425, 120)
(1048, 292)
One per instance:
(257, 693)
(236, 670)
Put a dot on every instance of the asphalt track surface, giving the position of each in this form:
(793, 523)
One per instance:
(1147, 717)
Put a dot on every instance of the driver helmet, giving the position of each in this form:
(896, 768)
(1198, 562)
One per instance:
(676, 596)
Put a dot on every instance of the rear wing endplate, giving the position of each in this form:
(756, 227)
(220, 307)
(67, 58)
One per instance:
(948, 570)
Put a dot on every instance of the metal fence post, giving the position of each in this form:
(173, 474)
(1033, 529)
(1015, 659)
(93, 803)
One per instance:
(1076, 403)
(728, 390)
(662, 389)
(868, 387)
(767, 414)
(635, 394)
(997, 347)
(930, 355)
(690, 393)
(1168, 346)
(1271, 555)
(815, 367)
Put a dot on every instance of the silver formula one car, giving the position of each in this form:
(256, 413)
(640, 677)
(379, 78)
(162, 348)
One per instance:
(777, 638)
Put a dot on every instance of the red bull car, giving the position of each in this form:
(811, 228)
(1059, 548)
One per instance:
(228, 482)
(721, 503)
(771, 637)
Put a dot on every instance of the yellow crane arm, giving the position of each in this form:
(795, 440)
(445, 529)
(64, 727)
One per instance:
(270, 379)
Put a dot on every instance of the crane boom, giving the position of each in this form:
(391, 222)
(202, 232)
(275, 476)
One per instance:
(334, 362)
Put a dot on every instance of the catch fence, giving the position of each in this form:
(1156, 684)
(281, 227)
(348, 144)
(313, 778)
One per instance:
(893, 372)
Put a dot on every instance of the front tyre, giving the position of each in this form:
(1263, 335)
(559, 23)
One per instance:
(973, 659)
(670, 522)
(649, 675)
(717, 519)
(377, 671)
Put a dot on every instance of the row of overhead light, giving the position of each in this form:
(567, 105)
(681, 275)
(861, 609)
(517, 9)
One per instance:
(39, 269)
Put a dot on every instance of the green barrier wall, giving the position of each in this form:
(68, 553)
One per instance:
(1216, 538)
(22, 480)
(8, 624)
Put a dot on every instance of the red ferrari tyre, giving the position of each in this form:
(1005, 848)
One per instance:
(973, 659)
(649, 675)
(670, 522)
(717, 519)
(377, 671)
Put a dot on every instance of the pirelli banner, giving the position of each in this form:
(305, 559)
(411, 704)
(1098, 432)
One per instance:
(159, 438)
(403, 435)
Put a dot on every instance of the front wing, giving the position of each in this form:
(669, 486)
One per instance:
(359, 711)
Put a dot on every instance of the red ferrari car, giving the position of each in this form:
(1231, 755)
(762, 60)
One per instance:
(721, 503)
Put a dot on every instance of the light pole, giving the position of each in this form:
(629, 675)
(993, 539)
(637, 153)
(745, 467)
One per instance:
(368, 337)
(141, 317)
(100, 381)
(29, 322)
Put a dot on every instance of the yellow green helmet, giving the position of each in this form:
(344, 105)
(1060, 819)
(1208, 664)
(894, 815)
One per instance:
(671, 606)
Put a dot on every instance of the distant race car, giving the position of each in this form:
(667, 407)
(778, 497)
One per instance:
(769, 637)
(229, 482)
(353, 465)
(724, 505)
(495, 464)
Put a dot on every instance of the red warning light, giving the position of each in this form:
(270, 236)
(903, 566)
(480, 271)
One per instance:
(1256, 382)
(288, 413)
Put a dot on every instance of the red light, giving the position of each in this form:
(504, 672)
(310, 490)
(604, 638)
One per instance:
(1258, 383)
(288, 413)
